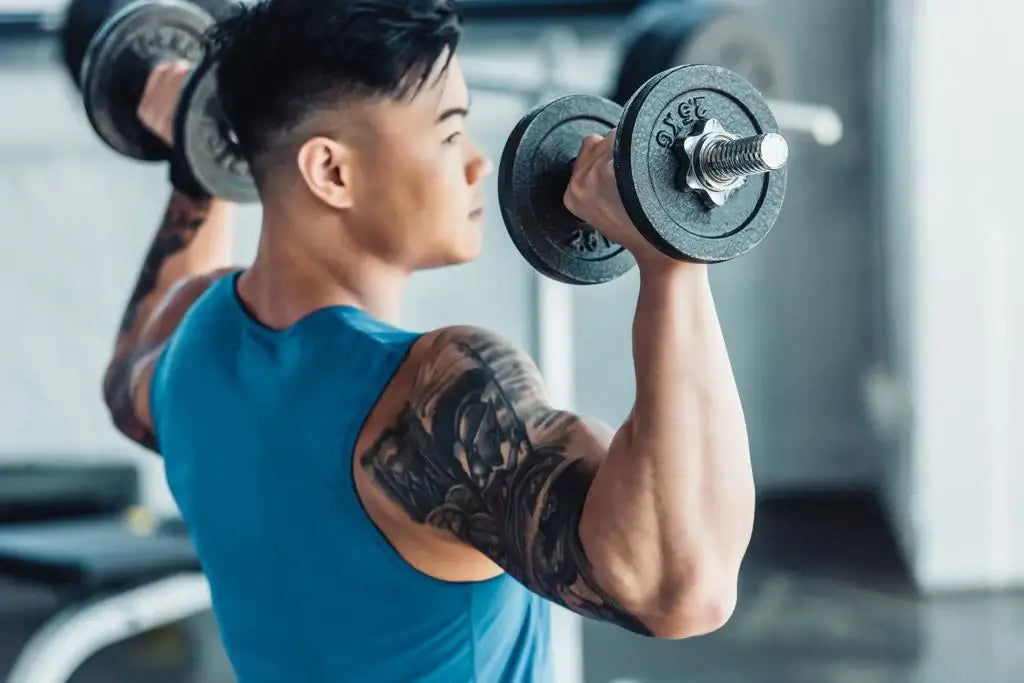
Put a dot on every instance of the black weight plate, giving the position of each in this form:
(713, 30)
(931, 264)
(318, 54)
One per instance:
(120, 59)
(677, 222)
(203, 137)
(661, 35)
(83, 18)
(534, 172)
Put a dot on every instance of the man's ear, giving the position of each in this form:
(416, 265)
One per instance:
(326, 166)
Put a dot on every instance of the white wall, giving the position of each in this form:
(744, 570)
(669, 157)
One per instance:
(956, 184)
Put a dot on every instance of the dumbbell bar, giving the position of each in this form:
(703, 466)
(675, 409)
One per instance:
(117, 64)
(699, 164)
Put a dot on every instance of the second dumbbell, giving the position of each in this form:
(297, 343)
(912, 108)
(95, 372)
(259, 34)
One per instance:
(116, 67)
(699, 164)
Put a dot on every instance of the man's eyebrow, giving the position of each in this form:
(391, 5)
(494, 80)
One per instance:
(454, 111)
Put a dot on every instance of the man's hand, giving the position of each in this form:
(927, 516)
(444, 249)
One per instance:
(160, 98)
(593, 196)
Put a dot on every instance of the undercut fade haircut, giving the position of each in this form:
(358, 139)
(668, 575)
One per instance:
(283, 60)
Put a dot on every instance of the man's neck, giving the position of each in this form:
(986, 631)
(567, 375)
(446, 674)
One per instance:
(287, 281)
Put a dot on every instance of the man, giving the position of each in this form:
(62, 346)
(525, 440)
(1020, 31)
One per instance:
(371, 504)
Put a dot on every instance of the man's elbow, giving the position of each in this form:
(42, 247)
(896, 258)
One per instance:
(121, 409)
(692, 609)
(116, 390)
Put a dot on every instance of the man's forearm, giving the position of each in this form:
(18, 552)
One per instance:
(670, 511)
(194, 237)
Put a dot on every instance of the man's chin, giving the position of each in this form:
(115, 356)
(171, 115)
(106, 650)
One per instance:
(452, 260)
(463, 259)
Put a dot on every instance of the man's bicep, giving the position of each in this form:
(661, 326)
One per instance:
(478, 453)
(543, 513)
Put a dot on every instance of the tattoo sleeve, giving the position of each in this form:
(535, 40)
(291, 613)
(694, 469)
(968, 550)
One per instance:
(477, 452)
(178, 229)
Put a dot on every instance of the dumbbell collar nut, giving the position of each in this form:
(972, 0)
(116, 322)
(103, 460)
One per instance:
(692, 151)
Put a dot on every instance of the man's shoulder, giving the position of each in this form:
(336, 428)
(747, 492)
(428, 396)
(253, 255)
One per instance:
(189, 292)
(191, 311)
(462, 353)
(478, 344)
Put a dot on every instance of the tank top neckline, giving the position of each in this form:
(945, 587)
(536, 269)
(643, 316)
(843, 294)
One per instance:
(253, 322)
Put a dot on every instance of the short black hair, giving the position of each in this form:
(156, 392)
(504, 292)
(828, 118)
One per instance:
(280, 60)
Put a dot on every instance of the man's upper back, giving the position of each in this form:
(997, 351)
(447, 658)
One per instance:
(258, 429)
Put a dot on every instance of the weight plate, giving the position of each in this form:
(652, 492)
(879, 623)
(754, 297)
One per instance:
(533, 175)
(119, 60)
(202, 134)
(679, 222)
(662, 35)
(83, 18)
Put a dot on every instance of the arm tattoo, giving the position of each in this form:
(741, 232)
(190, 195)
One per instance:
(461, 458)
(180, 226)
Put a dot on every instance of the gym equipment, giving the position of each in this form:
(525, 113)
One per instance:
(532, 177)
(36, 492)
(699, 164)
(205, 142)
(119, 577)
(114, 72)
(81, 21)
(83, 18)
(664, 34)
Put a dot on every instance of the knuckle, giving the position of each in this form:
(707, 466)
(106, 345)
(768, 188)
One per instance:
(571, 198)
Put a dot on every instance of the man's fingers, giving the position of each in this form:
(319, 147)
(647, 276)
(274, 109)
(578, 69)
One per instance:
(160, 97)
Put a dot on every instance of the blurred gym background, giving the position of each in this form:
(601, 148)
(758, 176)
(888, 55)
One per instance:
(875, 336)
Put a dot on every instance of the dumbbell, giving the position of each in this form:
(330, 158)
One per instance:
(699, 164)
(117, 63)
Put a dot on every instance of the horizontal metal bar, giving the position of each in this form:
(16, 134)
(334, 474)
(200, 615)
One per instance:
(821, 123)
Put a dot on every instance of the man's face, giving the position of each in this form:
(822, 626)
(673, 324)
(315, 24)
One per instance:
(420, 192)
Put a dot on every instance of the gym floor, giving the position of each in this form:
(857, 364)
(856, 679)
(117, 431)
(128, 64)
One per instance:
(824, 598)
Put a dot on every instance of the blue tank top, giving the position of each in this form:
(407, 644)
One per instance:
(257, 428)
